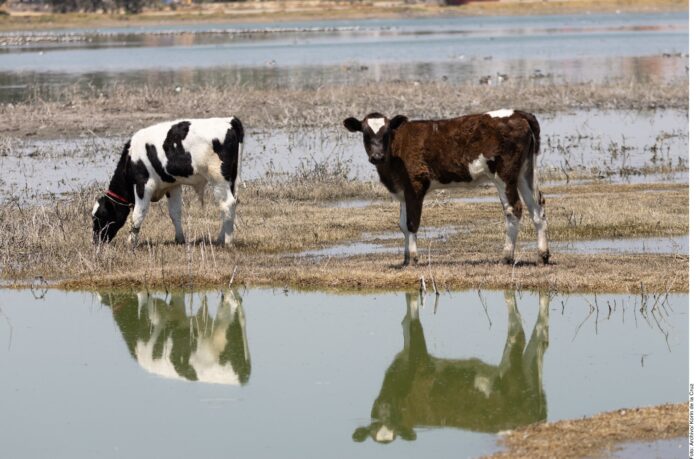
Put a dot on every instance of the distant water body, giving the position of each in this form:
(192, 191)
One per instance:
(495, 50)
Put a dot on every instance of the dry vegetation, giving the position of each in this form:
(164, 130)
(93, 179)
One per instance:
(598, 435)
(121, 109)
(278, 219)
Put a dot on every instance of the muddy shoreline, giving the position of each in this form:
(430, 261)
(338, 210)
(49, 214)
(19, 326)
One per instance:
(596, 435)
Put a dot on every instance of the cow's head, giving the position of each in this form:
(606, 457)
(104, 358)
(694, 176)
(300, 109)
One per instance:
(108, 217)
(378, 132)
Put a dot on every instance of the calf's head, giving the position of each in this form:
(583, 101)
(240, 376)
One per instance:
(107, 218)
(378, 132)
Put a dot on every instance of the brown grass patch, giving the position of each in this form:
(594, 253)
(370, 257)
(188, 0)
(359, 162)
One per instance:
(123, 109)
(596, 435)
(277, 220)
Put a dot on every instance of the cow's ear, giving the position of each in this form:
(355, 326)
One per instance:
(397, 121)
(352, 124)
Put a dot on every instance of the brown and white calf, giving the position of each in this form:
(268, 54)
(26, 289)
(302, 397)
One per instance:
(415, 157)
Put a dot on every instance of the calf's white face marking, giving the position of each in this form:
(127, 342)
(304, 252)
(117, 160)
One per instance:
(502, 113)
(95, 208)
(375, 124)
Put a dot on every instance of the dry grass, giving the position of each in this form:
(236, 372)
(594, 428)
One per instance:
(279, 218)
(279, 11)
(122, 110)
(596, 435)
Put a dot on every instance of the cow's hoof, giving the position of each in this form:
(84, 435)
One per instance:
(507, 260)
(180, 240)
(543, 258)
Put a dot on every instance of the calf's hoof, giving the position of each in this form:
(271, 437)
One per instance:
(180, 240)
(543, 258)
(412, 261)
(507, 260)
(222, 243)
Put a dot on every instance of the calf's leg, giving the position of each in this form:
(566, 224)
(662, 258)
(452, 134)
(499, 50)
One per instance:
(228, 206)
(409, 221)
(174, 203)
(512, 209)
(142, 205)
(535, 206)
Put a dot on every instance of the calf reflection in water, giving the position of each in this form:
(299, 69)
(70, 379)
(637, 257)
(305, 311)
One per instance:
(424, 391)
(168, 342)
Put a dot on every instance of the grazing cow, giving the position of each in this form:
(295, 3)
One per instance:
(420, 390)
(415, 157)
(158, 159)
(168, 341)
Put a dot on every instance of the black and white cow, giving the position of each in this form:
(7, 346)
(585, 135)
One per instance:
(161, 158)
(166, 339)
(420, 390)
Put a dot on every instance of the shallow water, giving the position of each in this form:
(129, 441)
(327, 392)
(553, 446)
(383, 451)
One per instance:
(664, 245)
(367, 245)
(665, 449)
(301, 55)
(265, 372)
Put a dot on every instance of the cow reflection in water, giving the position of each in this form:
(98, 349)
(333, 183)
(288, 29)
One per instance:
(168, 342)
(424, 391)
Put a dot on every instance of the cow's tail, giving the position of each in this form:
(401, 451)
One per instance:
(534, 149)
(238, 128)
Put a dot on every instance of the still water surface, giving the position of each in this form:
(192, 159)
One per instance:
(304, 55)
(263, 373)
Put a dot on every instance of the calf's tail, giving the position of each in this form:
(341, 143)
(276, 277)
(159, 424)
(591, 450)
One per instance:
(534, 149)
(238, 128)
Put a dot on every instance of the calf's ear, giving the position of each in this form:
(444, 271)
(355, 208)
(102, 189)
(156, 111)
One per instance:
(397, 121)
(352, 124)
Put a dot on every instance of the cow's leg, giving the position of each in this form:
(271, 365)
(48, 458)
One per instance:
(512, 209)
(174, 203)
(140, 208)
(228, 206)
(535, 206)
(411, 209)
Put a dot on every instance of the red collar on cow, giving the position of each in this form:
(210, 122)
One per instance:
(117, 198)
